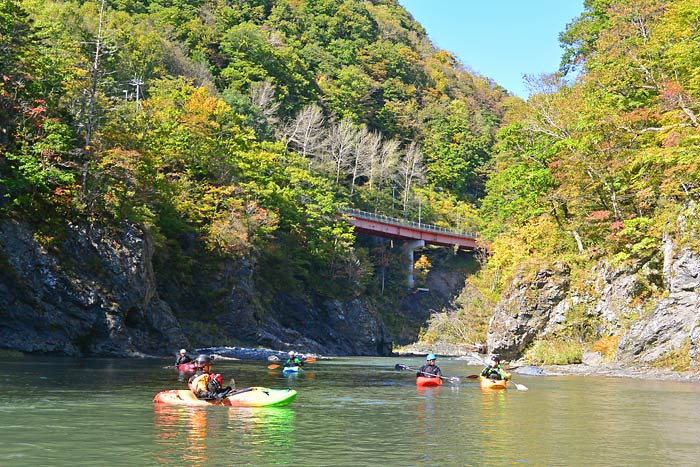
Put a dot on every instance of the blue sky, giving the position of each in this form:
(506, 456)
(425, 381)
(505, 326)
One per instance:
(500, 39)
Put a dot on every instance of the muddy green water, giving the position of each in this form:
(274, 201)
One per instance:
(349, 412)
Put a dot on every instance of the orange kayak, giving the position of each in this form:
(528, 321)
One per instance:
(248, 397)
(422, 381)
(487, 383)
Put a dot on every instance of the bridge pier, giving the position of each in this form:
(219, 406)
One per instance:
(410, 247)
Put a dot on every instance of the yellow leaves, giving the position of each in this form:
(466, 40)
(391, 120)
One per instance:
(199, 204)
(607, 346)
(203, 110)
(229, 224)
(541, 238)
(446, 58)
(423, 264)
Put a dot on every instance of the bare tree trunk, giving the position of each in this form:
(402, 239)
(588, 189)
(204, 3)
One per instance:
(95, 73)
(412, 170)
(306, 133)
(341, 142)
(366, 151)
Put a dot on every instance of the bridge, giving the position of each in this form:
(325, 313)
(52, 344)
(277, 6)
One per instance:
(391, 227)
(416, 234)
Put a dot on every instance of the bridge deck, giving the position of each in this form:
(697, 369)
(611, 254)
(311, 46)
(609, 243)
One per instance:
(383, 226)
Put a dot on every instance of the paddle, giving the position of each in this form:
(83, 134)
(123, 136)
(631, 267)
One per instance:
(451, 379)
(275, 365)
(519, 387)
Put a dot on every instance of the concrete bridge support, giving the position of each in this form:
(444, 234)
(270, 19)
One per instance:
(410, 247)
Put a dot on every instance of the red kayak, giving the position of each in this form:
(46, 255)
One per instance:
(423, 381)
(186, 367)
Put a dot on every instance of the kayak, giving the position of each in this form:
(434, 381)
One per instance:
(487, 383)
(248, 397)
(186, 367)
(290, 370)
(422, 381)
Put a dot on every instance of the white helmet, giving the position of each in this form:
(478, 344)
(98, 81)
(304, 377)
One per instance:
(291, 353)
(183, 351)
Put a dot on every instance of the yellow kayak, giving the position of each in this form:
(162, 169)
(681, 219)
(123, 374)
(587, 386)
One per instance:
(487, 383)
(248, 397)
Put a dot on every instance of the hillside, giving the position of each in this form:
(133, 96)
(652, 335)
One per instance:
(592, 203)
(174, 170)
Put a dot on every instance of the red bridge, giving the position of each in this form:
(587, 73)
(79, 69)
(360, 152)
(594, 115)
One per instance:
(383, 226)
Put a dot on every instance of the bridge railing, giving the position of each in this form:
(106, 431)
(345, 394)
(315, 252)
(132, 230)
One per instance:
(404, 223)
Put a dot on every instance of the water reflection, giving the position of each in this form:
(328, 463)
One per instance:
(190, 434)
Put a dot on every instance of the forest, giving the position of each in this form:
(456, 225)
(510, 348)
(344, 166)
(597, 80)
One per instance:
(244, 128)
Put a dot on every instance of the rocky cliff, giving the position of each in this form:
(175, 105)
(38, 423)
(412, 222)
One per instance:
(86, 291)
(654, 307)
(87, 294)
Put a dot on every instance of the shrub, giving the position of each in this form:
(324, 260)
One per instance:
(676, 360)
(607, 346)
(554, 352)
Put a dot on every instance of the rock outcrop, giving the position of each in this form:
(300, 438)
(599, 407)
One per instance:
(87, 294)
(527, 309)
(534, 307)
(674, 322)
(90, 292)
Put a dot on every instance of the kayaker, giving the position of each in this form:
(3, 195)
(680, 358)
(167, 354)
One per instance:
(205, 385)
(430, 369)
(293, 360)
(494, 370)
(183, 358)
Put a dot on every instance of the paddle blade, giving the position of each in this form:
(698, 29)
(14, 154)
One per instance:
(472, 376)
(520, 387)
(273, 366)
(310, 360)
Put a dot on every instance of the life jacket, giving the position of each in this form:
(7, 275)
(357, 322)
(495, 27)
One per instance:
(429, 370)
(200, 383)
(495, 373)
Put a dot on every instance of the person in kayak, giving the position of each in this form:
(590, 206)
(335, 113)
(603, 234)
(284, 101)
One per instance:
(293, 360)
(494, 370)
(430, 369)
(183, 358)
(205, 385)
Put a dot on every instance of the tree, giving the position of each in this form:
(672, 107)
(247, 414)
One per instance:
(411, 171)
(305, 133)
(341, 142)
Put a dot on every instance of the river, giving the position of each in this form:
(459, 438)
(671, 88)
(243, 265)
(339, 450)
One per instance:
(349, 412)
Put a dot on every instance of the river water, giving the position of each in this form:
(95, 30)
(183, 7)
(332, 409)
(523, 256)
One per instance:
(349, 412)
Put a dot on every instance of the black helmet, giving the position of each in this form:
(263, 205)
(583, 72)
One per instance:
(203, 360)
(496, 358)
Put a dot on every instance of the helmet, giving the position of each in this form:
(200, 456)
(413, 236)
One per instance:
(431, 356)
(291, 353)
(203, 360)
(183, 351)
(495, 358)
